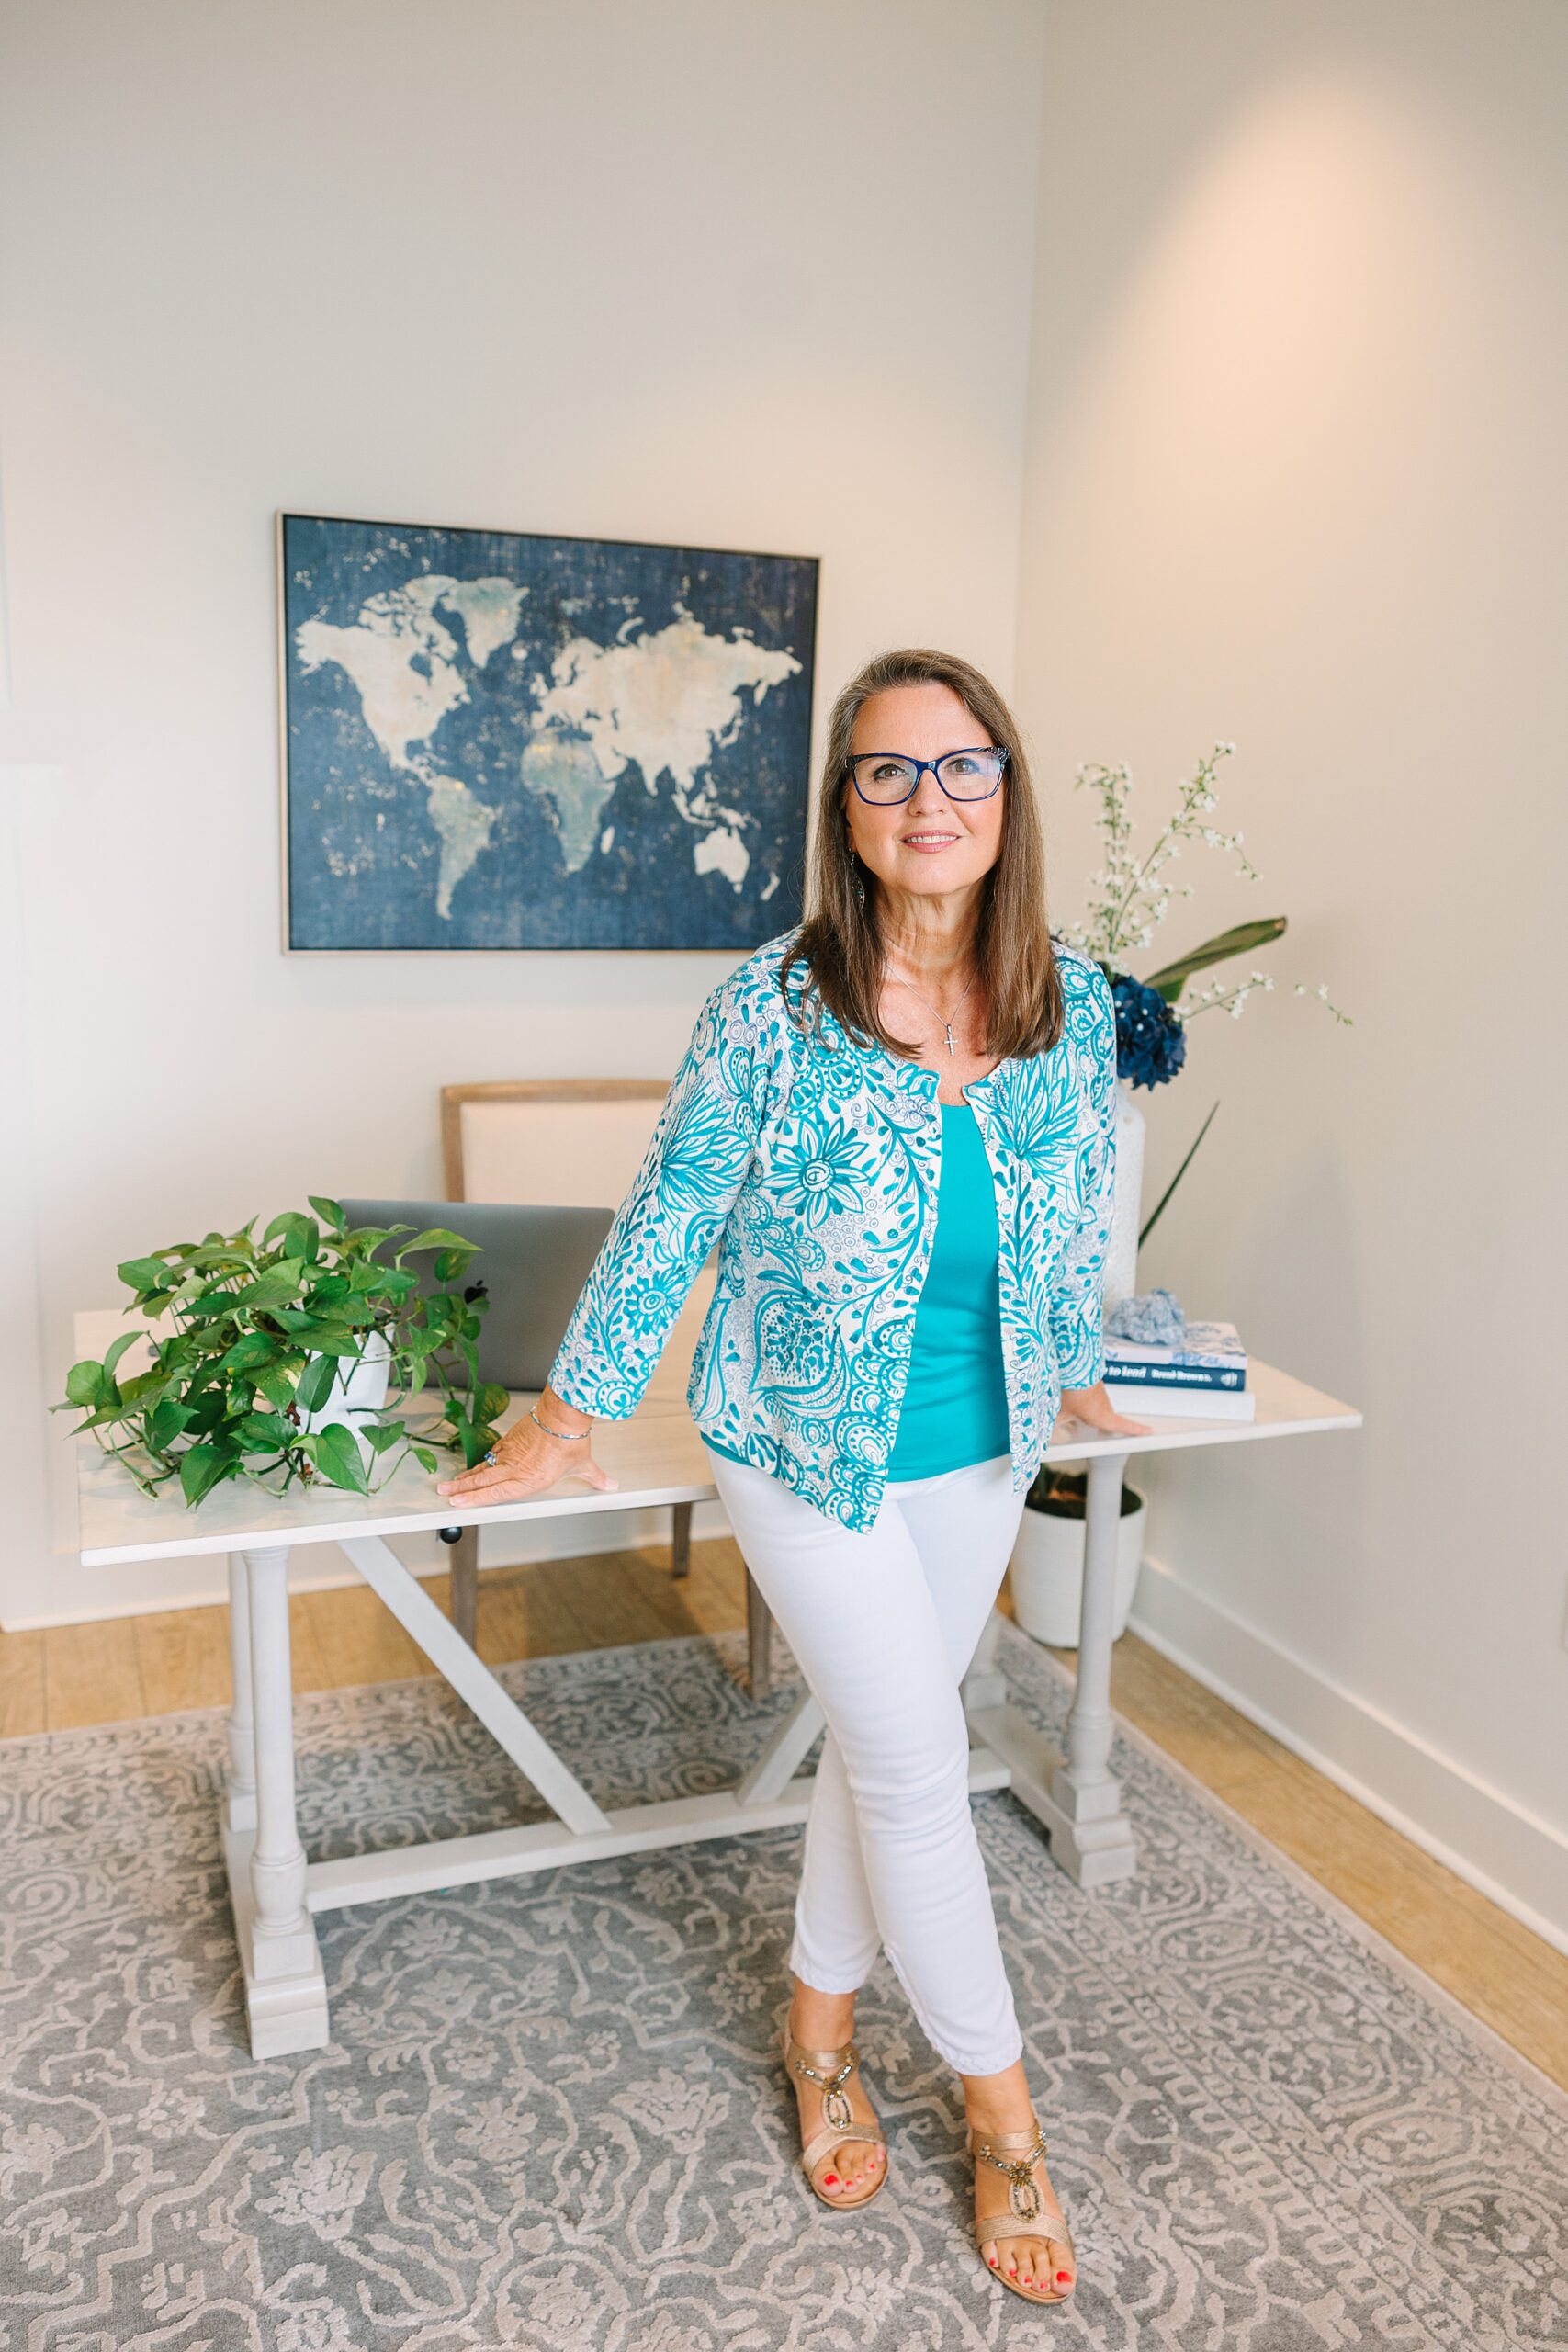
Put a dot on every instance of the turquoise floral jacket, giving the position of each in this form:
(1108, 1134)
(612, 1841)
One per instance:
(815, 1163)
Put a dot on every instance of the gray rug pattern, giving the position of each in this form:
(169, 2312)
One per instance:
(552, 2115)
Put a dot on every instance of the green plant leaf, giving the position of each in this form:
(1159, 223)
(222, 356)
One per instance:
(145, 1273)
(1148, 1226)
(369, 1238)
(383, 1435)
(202, 1467)
(338, 1458)
(423, 1456)
(315, 1383)
(436, 1237)
(328, 1211)
(249, 1352)
(263, 1432)
(167, 1420)
(490, 1401)
(300, 1234)
(85, 1382)
(1242, 939)
(276, 1286)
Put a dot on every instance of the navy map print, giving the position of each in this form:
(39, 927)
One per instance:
(495, 739)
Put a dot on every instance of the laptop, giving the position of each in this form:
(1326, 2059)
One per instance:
(533, 1262)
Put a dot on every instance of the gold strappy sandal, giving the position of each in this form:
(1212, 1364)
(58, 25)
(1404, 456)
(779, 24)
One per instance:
(1016, 2153)
(830, 2069)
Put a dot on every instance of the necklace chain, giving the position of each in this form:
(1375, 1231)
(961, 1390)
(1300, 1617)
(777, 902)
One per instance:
(946, 1022)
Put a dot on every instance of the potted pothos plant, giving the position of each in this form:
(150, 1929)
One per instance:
(288, 1359)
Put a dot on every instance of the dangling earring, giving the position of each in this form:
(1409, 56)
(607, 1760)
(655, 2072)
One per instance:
(860, 888)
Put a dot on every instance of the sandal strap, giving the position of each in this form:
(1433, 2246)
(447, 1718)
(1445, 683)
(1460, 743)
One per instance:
(987, 2226)
(1019, 2140)
(830, 2136)
(842, 2061)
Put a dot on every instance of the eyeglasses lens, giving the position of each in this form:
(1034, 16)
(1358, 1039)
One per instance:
(963, 775)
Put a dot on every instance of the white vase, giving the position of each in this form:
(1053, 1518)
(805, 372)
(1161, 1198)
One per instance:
(357, 1393)
(1046, 1571)
(1120, 1276)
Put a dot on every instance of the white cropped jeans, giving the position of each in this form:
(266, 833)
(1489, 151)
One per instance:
(884, 1625)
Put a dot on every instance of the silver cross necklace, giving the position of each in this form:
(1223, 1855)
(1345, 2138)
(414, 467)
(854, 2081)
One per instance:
(946, 1024)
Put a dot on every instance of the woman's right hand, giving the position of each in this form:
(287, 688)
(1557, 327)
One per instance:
(528, 1459)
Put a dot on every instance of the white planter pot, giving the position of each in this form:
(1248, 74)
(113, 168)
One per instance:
(1120, 1276)
(359, 1393)
(1046, 1571)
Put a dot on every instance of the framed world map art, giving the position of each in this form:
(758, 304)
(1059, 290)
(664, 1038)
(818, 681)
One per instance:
(495, 739)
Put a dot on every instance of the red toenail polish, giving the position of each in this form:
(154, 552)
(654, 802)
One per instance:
(1063, 2277)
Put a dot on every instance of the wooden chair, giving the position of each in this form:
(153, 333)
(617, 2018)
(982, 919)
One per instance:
(568, 1143)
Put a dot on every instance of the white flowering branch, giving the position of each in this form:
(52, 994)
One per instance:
(1128, 898)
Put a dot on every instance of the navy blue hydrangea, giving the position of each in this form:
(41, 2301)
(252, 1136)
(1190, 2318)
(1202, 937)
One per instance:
(1151, 1044)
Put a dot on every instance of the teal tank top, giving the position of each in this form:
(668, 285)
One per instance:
(955, 1409)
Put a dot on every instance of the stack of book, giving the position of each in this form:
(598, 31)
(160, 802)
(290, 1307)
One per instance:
(1204, 1375)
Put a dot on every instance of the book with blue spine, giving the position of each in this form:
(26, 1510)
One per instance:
(1208, 1364)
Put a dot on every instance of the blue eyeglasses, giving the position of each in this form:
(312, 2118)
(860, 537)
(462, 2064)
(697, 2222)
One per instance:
(884, 779)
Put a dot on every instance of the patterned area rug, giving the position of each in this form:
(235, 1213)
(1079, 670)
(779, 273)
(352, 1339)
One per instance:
(552, 2116)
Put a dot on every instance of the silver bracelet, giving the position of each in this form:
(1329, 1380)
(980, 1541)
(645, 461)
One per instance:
(568, 1437)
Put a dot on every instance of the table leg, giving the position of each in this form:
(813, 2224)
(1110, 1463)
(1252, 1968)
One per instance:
(759, 1639)
(286, 1994)
(240, 1780)
(1093, 1839)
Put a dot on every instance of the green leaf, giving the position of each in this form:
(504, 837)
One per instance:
(263, 1432)
(166, 1422)
(301, 1235)
(315, 1384)
(381, 1436)
(250, 1350)
(1148, 1225)
(202, 1467)
(369, 1238)
(436, 1237)
(328, 1211)
(276, 1382)
(279, 1286)
(85, 1382)
(145, 1273)
(491, 1400)
(1242, 939)
(423, 1456)
(126, 1340)
(338, 1457)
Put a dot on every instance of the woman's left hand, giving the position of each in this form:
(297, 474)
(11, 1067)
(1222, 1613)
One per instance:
(1094, 1406)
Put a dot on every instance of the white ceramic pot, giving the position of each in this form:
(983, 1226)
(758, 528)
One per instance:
(1046, 1571)
(1120, 1276)
(359, 1393)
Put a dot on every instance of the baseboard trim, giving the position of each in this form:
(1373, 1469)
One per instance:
(1440, 1805)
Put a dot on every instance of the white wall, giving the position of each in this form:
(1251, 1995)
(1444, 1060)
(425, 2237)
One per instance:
(689, 272)
(1295, 478)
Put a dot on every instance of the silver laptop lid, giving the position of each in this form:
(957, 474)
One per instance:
(532, 1261)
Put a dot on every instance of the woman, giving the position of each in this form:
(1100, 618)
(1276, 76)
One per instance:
(898, 1121)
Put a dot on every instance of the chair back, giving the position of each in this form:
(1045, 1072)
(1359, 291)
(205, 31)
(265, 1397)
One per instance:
(569, 1142)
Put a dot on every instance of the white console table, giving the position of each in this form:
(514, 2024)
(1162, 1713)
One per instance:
(659, 1459)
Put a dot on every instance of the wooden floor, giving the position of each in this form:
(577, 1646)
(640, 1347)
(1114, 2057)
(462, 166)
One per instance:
(127, 1666)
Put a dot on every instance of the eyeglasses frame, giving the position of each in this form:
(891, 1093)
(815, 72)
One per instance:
(935, 766)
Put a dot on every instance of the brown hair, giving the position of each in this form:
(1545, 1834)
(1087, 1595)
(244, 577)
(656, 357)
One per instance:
(840, 942)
